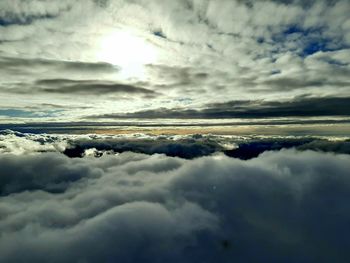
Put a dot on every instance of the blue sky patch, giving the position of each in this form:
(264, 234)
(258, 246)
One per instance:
(8, 21)
(159, 33)
(28, 114)
(307, 40)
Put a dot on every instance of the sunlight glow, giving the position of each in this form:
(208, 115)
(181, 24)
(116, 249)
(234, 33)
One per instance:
(128, 51)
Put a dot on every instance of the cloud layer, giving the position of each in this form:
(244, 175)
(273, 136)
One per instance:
(183, 146)
(300, 107)
(133, 207)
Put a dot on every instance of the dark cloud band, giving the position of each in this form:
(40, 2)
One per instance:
(301, 107)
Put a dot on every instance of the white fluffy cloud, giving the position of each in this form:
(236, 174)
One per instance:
(132, 207)
(215, 50)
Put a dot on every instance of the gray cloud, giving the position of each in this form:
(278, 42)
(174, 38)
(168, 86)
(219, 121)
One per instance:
(292, 83)
(26, 65)
(279, 68)
(253, 148)
(80, 70)
(303, 107)
(67, 86)
(19, 12)
(185, 146)
(208, 51)
(157, 208)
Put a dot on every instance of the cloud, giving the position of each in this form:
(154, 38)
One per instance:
(188, 147)
(25, 76)
(207, 52)
(68, 86)
(24, 65)
(182, 146)
(133, 207)
(302, 107)
(18, 143)
(24, 13)
(253, 148)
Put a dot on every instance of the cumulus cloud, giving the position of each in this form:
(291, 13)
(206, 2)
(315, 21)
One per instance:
(274, 67)
(182, 147)
(133, 207)
(80, 145)
(19, 143)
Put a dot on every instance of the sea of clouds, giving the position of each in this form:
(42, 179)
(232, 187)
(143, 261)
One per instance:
(183, 146)
(285, 205)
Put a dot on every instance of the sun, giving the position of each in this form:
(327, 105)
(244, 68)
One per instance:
(128, 51)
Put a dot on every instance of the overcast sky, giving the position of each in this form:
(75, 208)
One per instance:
(174, 131)
(64, 60)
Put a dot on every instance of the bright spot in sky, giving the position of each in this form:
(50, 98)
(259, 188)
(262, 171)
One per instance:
(128, 51)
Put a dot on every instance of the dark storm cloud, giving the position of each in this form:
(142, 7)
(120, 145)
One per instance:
(94, 87)
(302, 107)
(138, 208)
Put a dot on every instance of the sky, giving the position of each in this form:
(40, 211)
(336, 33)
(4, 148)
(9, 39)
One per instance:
(117, 61)
(180, 131)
